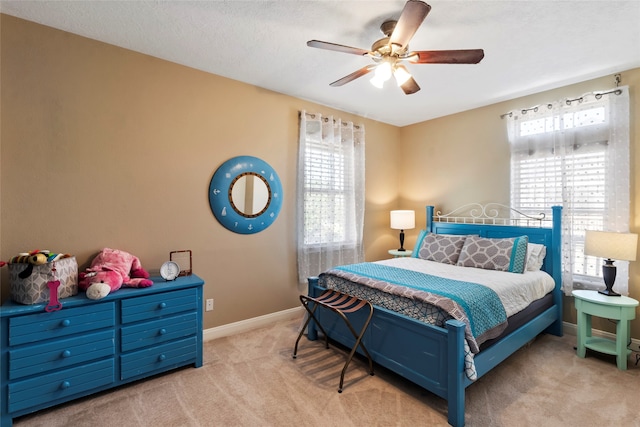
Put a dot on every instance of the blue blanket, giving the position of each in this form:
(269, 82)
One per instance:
(476, 305)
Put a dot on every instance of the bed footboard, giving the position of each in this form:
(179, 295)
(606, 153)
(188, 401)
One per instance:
(427, 355)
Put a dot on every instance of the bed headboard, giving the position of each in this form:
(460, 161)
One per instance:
(539, 229)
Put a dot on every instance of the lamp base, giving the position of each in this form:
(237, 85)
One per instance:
(401, 249)
(609, 276)
(609, 292)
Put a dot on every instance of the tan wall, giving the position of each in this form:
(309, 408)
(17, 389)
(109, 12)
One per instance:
(101, 146)
(105, 147)
(464, 158)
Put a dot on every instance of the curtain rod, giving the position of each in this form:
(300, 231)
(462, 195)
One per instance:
(597, 95)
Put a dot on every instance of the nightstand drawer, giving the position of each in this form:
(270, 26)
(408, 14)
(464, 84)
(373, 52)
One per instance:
(45, 388)
(158, 358)
(158, 331)
(58, 354)
(157, 305)
(44, 326)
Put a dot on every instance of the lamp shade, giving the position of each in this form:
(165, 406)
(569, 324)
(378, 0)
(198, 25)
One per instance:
(611, 245)
(403, 220)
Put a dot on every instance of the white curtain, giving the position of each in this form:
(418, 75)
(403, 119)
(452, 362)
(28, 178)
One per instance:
(330, 199)
(575, 153)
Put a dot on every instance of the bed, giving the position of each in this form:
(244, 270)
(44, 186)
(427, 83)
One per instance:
(438, 358)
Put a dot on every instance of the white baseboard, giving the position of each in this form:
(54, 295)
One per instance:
(257, 322)
(249, 324)
(572, 329)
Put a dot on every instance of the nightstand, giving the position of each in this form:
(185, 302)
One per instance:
(399, 254)
(620, 308)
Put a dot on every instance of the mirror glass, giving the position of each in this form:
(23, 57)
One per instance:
(249, 194)
(245, 194)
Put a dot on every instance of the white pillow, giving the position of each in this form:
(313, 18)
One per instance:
(535, 256)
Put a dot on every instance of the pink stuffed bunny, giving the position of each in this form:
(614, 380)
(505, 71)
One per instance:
(110, 270)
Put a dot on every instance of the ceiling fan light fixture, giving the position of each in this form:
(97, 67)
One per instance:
(401, 75)
(383, 71)
(379, 83)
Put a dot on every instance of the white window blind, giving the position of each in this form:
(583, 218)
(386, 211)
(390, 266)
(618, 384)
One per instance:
(328, 185)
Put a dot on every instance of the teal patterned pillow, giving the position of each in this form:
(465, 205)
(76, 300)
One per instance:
(509, 254)
(444, 248)
(419, 240)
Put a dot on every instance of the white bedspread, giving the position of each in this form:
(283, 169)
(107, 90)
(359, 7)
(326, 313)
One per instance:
(516, 291)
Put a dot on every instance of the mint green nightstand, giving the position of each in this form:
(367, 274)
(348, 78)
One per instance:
(399, 254)
(621, 308)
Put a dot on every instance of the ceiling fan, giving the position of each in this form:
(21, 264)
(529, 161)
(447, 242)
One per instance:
(391, 51)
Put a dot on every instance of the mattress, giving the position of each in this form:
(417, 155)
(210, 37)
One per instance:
(515, 290)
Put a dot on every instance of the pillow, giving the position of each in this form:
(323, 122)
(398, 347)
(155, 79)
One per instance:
(444, 248)
(535, 256)
(419, 240)
(508, 254)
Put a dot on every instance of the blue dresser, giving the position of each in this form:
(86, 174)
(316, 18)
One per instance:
(90, 346)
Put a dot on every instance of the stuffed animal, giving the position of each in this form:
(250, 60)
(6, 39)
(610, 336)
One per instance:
(110, 270)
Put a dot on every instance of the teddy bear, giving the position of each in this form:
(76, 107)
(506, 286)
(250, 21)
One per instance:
(109, 271)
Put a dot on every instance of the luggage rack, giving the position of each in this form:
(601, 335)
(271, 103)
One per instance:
(339, 303)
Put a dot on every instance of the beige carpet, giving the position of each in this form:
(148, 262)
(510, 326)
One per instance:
(251, 379)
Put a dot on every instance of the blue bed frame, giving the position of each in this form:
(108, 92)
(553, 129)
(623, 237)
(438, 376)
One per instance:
(433, 357)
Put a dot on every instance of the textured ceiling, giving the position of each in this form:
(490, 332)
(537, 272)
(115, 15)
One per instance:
(529, 46)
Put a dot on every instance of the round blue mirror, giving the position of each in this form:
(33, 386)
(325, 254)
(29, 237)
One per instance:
(245, 194)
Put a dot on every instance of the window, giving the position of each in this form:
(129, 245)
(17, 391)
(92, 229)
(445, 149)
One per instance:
(330, 194)
(327, 190)
(575, 154)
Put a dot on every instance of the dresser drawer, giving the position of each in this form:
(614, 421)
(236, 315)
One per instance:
(58, 354)
(158, 358)
(59, 385)
(158, 331)
(157, 305)
(44, 326)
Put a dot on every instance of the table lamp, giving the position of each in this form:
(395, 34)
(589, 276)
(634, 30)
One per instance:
(610, 246)
(403, 220)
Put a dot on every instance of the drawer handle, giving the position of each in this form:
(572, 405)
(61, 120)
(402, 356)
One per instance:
(66, 353)
(161, 358)
(66, 322)
(163, 331)
(162, 305)
(65, 385)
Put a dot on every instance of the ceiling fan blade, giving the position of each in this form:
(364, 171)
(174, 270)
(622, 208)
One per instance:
(410, 86)
(410, 19)
(356, 74)
(469, 56)
(337, 47)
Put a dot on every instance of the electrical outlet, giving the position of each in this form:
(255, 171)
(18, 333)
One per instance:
(209, 304)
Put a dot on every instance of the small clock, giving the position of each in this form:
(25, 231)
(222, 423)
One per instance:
(169, 270)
